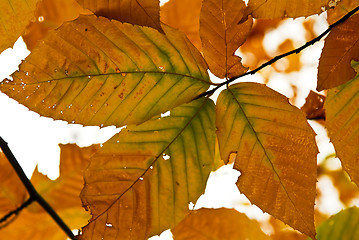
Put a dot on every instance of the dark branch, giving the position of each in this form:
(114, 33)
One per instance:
(16, 211)
(273, 60)
(32, 191)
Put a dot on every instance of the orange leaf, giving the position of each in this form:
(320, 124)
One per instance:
(137, 12)
(221, 35)
(342, 8)
(222, 223)
(276, 152)
(314, 106)
(184, 15)
(289, 8)
(340, 47)
(50, 14)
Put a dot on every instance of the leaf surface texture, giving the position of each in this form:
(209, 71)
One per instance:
(93, 71)
(141, 181)
(291, 8)
(340, 47)
(221, 35)
(222, 223)
(276, 152)
(342, 118)
(137, 12)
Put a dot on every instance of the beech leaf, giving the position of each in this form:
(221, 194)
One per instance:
(142, 179)
(15, 15)
(271, 9)
(183, 15)
(343, 225)
(276, 152)
(342, 120)
(340, 47)
(221, 35)
(137, 12)
(93, 71)
(222, 223)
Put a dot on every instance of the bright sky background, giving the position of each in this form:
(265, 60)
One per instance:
(34, 139)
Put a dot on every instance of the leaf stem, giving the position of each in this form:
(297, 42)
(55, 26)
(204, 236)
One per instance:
(276, 58)
(32, 191)
(17, 210)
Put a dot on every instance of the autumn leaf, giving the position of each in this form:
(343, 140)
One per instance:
(271, 9)
(142, 180)
(62, 194)
(137, 12)
(184, 15)
(93, 71)
(342, 7)
(12, 191)
(50, 14)
(15, 15)
(276, 152)
(342, 123)
(221, 35)
(340, 47)
(343, 225)
(219, 223)
(314, 106)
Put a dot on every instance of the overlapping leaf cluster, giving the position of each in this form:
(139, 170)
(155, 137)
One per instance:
(125, 66)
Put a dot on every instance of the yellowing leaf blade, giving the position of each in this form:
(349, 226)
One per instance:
(137, 12)
(143, 178)
(219, 223)
(276, 152)
(15, 15)
(221, 35)
(342, 123)
(291, 8)
(340, 47)
(93, 71)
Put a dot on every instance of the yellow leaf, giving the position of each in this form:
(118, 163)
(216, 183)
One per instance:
(342, 123)
(276, 152)
(12, 191)
(221, 35)
(61, 194)
(15, 15)
(137, 12)
(340, 47)
(289, 8)
(219, 223)
(50, 14)
(93, 71)
(184, 15)
(142, 180)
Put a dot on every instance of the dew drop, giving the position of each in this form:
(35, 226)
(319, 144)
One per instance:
(141, 178)
(61, 112)
(162, 68)
(41, 19)
(125, 167)
(166, 157)
(151, 167)
(89, 77)
(117, 70)
(55, 70)
(123, 74)
(27, 73)
(73, 121)
(108, 225)
(118, 141)
(101, 125)
(101, 144)
(42, 100)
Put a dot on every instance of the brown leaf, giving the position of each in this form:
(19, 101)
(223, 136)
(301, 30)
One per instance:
(222, 223)
(290, 8)
(221, 35)
(342, 7)
(314, 106)
(184, 15)
(50, 14)
(276, 152)
(137, 12)
(340, 47)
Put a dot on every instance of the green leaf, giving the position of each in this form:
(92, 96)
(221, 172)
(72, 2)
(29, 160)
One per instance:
(342, 122)
(341, 226)
(93, 71)
(276, 152)
(143, 178)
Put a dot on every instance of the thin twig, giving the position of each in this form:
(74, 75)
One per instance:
(32, 191)
(273, 60)
(17, 210)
